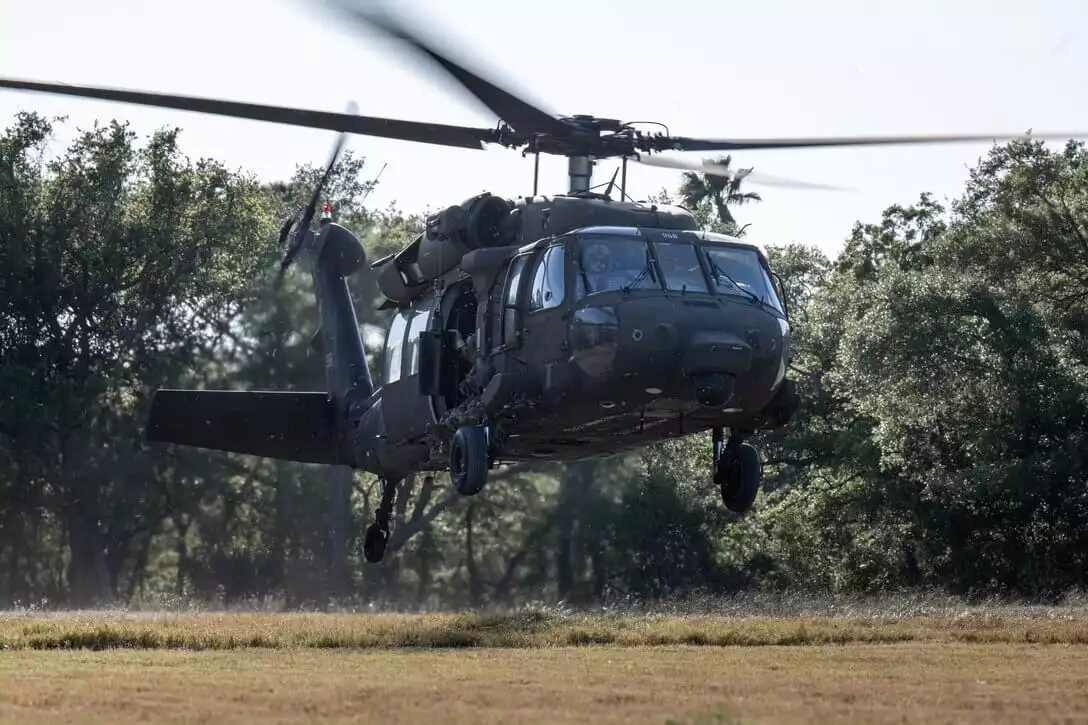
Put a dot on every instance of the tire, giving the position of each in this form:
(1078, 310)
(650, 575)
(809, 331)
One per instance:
(469, 458)
(739, 476)
(375, 542)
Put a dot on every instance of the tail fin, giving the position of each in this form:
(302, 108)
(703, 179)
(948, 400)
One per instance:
(289, 426)
(336, 254)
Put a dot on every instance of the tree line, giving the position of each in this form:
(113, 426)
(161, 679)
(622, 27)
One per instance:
(942, 359)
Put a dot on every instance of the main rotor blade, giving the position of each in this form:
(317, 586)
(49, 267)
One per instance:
(517, 112)
(432, 133)
(752, 177)
(681, 143)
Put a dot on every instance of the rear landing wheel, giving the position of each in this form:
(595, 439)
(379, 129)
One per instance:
(377, 537)
(377, 534)
(470, 457)
(738, 473)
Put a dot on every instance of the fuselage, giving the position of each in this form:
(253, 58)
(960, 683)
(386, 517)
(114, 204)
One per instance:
(588, 343)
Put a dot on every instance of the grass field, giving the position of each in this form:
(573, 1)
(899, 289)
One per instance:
(991, 666)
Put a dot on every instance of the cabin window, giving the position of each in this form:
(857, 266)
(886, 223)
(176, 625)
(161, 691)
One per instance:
(607, 263)
(548, 281)
(419, 319)
(394, 347)
(680, 265)
(510, 309)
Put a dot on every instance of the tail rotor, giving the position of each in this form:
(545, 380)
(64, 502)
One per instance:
(296, 230)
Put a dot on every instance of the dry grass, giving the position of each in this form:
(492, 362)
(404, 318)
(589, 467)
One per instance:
(898, 683)
(224, 631)
(983, 665)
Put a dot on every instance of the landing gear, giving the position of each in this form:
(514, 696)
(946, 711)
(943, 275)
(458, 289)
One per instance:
(738, 471)
(375, 542)
(470, 459)
(377, 534)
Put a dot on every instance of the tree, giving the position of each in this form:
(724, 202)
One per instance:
(117, 261)
(720, 192)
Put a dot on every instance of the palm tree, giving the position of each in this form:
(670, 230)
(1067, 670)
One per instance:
(721, 191)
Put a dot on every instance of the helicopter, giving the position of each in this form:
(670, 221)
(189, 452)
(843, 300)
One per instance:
(544, 328)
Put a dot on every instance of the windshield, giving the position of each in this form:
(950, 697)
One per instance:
(738, 271)
(607, 263)
(680, 264)
(612, 262)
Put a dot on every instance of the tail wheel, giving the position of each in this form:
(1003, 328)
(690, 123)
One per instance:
(739, 473)
(377, 538)
(469, 459)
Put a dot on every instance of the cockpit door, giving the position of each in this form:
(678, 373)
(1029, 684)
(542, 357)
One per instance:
(506, 326)
(545, 306)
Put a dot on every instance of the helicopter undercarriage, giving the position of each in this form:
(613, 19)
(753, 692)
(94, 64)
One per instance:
(471, 456)
(737, 471)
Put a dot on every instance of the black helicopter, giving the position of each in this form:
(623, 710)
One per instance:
(544, 328)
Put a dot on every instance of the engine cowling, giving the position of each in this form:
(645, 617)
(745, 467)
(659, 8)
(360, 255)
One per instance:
(449, 235)
(454, 232)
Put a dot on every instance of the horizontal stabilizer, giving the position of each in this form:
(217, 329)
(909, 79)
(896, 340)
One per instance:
(289, 426)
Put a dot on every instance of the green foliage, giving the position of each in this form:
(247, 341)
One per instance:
(942, 359)
(720, 192)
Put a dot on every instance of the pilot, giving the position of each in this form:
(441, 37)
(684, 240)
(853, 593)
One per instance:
(604, 272)
(731, 268)
(596, 261)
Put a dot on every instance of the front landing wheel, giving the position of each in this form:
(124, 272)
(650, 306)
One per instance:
(469, 459)
(739, 473)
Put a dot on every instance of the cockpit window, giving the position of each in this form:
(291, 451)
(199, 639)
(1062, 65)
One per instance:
(548, 282)
(680, 264)
(738, 271)
(607, 263)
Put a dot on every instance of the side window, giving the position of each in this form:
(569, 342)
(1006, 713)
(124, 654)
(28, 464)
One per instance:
(394, 348)
(510, 310)
(513, 280)
(548, 280)
(420, 318)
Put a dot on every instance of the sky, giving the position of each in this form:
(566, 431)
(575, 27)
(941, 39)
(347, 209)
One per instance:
(712, 69)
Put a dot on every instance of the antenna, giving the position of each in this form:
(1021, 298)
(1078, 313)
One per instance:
(611, 184)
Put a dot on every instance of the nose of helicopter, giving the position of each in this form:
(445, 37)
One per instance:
(687, 347)
(676, 348)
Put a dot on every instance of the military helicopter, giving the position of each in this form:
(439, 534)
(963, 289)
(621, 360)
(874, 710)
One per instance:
(546, 328)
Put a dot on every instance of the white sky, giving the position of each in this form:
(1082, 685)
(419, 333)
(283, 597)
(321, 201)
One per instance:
(715, 69)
